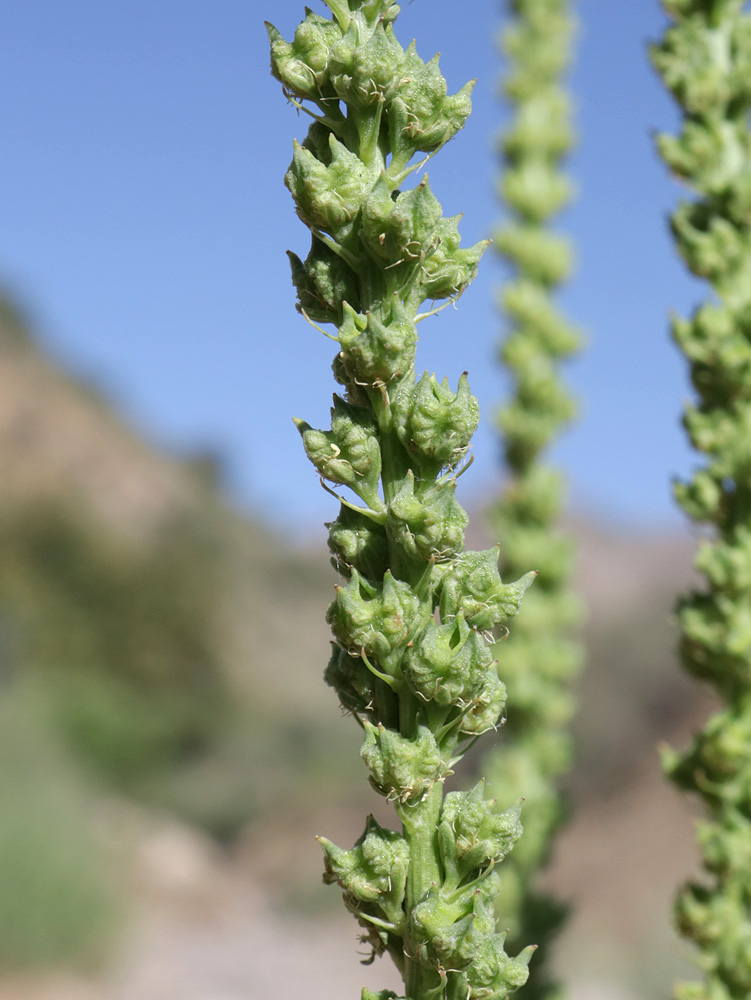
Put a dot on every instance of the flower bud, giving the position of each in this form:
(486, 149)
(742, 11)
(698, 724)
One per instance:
(712, 247)
(402, 768)
(531, 307)
(352, 681)
(399, 230)
(328, 197)
(543, 256)
(377, 348)
(356, 542)
(377, 619)
(542, 126)
(486, 708)
(349, 453)
(478, 834)
(447, 663)
(374, 871)
(366, 74)
(422, 116)
(302, 66)
(473, 587)
(323, 282)
(704, 70)
(728, 564)
(436, 424)
(430, 526)
(448, 269)
(536, 190)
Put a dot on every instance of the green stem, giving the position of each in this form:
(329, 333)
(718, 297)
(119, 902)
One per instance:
(420, 829)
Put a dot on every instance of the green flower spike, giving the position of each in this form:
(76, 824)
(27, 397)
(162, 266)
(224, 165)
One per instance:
(410, 616)
(540, 660)
(704, 59)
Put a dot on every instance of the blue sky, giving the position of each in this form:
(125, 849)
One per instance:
(143, 221)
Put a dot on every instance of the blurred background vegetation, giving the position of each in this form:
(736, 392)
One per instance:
(151, 681)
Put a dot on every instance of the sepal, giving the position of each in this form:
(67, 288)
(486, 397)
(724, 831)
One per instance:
(486, 708)
(351, 680)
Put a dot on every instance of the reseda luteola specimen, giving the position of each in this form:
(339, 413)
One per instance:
(410, 659)
(705, 60)
(541, 659)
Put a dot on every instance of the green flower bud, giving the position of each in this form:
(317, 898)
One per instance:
(441, 924)
(328, 197)
(447, 663)
(377, 619)
(473, 588)
(347, 454)
(422, 117)
(530, 421)
(302, 66)
(448, 269)
(374, 871)
(400, 768)
(351, 680)
(430, 526)
(435, 423)
(478, 835)
(539, 51)
(377, 349)
(718, 344)
(358, 543)
(323, 282)
(536, 498)
(486, 708)
(400, 230)
(366, 74)
(493, 974)
(448, 939)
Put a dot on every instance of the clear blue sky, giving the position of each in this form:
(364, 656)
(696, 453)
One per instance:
(144, 222)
